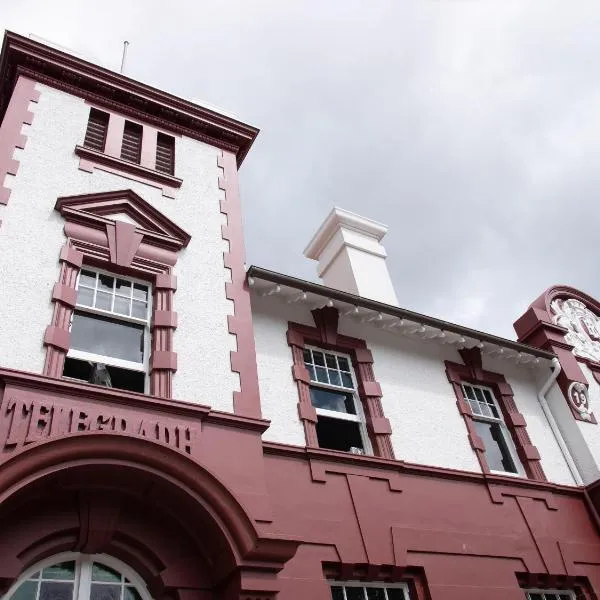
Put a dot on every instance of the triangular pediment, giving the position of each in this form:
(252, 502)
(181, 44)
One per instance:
(123, 206)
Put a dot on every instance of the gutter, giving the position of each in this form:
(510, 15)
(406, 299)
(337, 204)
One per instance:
(388, 309)
(555, 371)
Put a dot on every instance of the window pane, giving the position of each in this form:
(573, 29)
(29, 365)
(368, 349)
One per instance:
(130, 593)
(103, 300)
(566, 597)
(85, 296)
(535, 597)
(497, 453)
(330, 358)
(322, 374)
(336, 434)
(26, 591)
(307, 356)
(318, 358)
(105, 282)
(375, 593)
(121, 305)
(140, 310)
(347, 380)
(337, 593)
(107, 337)
(396, 594)
(311, 372)
(123, 287)
(334, 377)
(343, 362)
(485, 410)
(103, 591)
(87, 278)
(63, 570)
(140, 292)
(53, 590)
(332, 400)
(104, 573)
(475, 407)
(479, 395)
(469, 392)
(355, 593)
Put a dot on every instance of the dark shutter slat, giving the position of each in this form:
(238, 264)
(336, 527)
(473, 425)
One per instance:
(165, 153)
(131, 148)
(95, 135)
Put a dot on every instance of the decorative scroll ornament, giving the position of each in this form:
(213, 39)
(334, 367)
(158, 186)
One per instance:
(582, 324)
(578, 397)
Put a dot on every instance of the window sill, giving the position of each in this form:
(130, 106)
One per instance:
(92, 158)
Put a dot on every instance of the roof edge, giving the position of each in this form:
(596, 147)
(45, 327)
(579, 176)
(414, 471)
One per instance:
(51, 66)
(333, 294)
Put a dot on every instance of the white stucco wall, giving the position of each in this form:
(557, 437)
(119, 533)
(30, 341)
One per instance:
(417, 397)
(526, 383)
(31, 237)
(590, 433)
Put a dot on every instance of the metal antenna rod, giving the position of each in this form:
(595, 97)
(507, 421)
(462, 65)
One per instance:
(125, 44)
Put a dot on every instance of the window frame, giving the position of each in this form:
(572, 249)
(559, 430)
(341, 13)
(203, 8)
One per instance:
(84, 561)
(472, 372)
(144, 366)
(544, 592)
(508, 438)
(325, 336)
(370, 584)
(360, 416)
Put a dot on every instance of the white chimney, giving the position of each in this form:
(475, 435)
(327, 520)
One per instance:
(351, 257)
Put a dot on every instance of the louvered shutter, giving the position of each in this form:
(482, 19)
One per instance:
(95, 134)
(165, 153)
(131, 148)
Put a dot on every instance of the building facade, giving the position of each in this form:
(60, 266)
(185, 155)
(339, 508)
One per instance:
(174, 426)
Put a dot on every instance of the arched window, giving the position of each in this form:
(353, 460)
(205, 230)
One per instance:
(79, 577)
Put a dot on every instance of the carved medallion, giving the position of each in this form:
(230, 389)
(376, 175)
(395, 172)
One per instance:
(583, 327)
(578, 397)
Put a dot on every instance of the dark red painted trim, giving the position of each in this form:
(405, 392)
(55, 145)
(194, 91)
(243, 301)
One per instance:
(157, 228)
(537, 328)
(90, 159)
(125, 248)
(472, 372)
(230, 553)
(105, 88)
(17, 114)
(243, 360)
(325, 336)
(352, 463)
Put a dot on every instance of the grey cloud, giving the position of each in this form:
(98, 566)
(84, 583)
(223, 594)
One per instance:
(470, 127)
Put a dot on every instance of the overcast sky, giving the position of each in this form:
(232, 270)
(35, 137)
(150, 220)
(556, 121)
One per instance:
(470, 127)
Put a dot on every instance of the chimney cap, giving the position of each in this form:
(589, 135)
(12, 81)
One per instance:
(339, 218)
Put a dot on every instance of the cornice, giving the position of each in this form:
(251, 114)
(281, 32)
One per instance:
(21, 55)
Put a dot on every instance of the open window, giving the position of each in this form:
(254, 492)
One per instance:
(334, 395)
(110, 334)
(500, 451)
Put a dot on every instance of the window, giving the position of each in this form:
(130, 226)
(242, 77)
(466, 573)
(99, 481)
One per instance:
(500, 451)
(549, 595)
(110, 332)
(95, 134)
(131, 148)
(333, 392)
(83, 577)
(369, 591)
(165, 153)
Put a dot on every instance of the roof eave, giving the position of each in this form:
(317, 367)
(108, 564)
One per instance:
(395, 311)
(63, 70)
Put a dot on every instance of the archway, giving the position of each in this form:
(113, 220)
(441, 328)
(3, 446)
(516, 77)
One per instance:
(153, 508)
